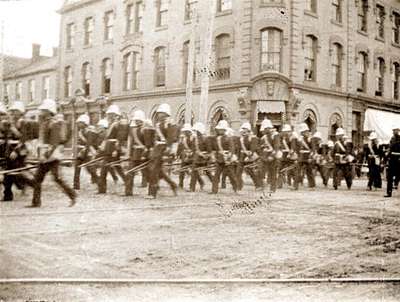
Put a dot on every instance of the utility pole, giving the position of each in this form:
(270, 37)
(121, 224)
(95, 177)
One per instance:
(1, 61)
(190, 71)
(206, 60)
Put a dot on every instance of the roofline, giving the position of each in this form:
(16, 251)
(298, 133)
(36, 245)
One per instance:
(13, 77)
(70, 7)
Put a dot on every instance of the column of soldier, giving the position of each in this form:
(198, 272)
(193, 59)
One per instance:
(154, 150)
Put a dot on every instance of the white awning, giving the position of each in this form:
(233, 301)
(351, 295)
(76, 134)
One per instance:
(381, 122)
(271, 106)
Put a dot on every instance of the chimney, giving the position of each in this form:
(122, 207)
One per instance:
(55, 51)
(35, 52)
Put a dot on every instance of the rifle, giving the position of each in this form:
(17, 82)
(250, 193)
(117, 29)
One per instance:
(18, 170)
(289, 168)
(138, 168)
(117, 162)
(90, 163)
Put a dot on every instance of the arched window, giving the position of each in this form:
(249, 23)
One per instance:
(362, 15)
(131, 71)
(159, 56)
(395, 80)
(310, 58)
(310, 118)
(271, 44)
(86, 75)
(311, 5)
(362, 72)
(337, 55)
(106, 75)
(219, 115)
(223, 56)
(68, 81)
(335, 122)
(380, 77)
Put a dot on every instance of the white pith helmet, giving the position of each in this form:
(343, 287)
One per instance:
(84, 118)
(18, 106)
(139, 115)
(49, 105)
(164, 108)
(222, 125)
(113, 109)
(199, 127)
(266, 124)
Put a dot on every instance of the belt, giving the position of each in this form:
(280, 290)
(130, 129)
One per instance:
(396, 153)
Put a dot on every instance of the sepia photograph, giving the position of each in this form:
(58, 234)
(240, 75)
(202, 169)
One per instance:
(199, 150)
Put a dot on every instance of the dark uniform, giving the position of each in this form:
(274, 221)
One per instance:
(247, 154)
(111, 149)
(166, 135)
(306, 164)
(373, 155)
(201, 149)
(224, 149)
(270, 160)
(140, 142)
(289, 161)
(326, 163)
(343, 157)
(185, 154)
(393, 170)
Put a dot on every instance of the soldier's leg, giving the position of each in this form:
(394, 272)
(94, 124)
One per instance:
(223, 181)
(93, 174)
(230, 172)
(194, 175)
(40, 175)
(120, 172)
(102, 181)
(77, 173)
(348, 175)
(7, 184)
(168, 179)
(335, 177)
(273, 175)
(253, 177)
(390, 174)
(217, 175)
(129, 180)
(310, 175)
(154, 176)
(55, 171)
(377, 177)
(182, 176)
(239, 176)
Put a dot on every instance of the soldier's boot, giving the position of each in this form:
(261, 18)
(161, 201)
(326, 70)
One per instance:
(181, 179)
(128, 185)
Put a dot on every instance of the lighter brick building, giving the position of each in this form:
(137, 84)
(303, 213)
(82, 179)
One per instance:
(323, 62)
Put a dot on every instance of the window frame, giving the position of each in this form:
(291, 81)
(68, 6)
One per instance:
(70, 36)
(160, 69)
(362, 76)
(313, 70)
(109, 20)
(46, 87)
(106, 79)
(89, 29)
(380, 77)
(68, 81)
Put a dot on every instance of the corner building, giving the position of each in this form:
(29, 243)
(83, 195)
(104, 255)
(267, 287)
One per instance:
(322, 62)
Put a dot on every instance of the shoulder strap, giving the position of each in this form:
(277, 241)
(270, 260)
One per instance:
(136, 138)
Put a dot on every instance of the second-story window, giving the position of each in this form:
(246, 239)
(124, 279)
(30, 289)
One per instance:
(362, 12)
(68, 81)
(396, 28)
(223, 56)
(311, 5)
(159, 57)
(362, 72)
(86, 75)
(139, 17)
(46, 88)
(130, 19)
(131, 71)
(70, 36)
(108, 25)
(189, 8)
(32, 91)
(185, 55)
(380, 21)
(396, 81)
(310, 58)
(7, 90)
(162, 13)
(224, 5)
(380, 77)
(337, 10)
(106, 75)
(89, 26)
(271, 40)
(337, 55)
(18, 91)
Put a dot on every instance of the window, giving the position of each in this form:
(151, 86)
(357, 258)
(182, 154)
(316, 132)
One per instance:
(6, 90)
(224, 5)
(109, 25)
(271, 40)
(139, 17)
(380, 78)
(189, 8)
(310, 58)
(337, 55)
(130, 19)
(362, 72)
(363, 15)
(162, 12)
(70, 36)
(89, 25)
(86, 75)
(396, 28)
(68, 81)
(337, 10)
(396, 80)
(311, 5)
(380, 21)
(46, 88)
(131, 71)
(223, 56)
(31, 91)
(159, 56)
(18, 91)
(106, 75)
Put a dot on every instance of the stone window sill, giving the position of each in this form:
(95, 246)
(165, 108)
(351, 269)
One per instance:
(311, 14)
(281, 4)
(224, 13)
(188, 21)
(396, 44)
(161, 28)
(380, 39)
(87, 46)
(361, 32)
(337, 23)
(108, 41)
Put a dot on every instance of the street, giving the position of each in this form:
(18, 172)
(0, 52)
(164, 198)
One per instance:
(304, 234)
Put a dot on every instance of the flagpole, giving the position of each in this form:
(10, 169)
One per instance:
(2, 61)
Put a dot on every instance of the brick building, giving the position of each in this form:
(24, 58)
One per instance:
(323, 62)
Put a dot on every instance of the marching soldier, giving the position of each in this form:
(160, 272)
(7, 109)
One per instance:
(201, 156)
(140, 142)
(317, 156)
(343, 157)
(166, 137)
(224, 149)
(393, 170)
(305, 158)
(270, 154)
(248, 147)
(111, 147)
(289, 162)
(184, 152)
(372, 154)
(87, 141)
(53, 136)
